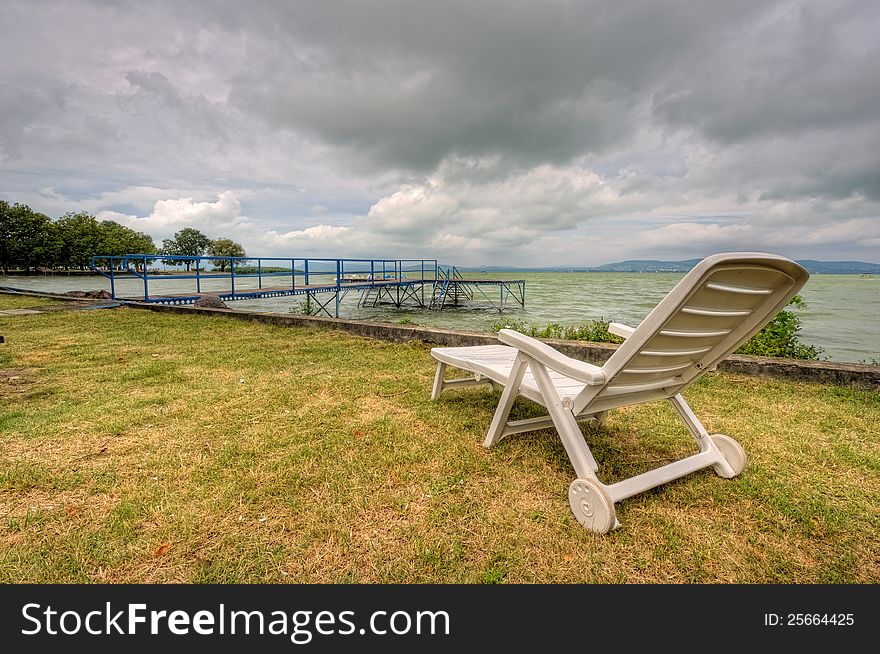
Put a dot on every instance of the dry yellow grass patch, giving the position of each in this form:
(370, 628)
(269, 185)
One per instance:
(143, 447)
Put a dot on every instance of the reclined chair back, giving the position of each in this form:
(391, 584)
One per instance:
(719, 305)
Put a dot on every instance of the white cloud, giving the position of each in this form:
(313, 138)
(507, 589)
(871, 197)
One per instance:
(216, 219)
(318, 232)
(185, 211)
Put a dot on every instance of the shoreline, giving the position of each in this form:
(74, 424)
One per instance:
(840, 373)
(833, 372)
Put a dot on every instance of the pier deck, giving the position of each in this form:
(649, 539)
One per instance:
(412, 282)
(453, 290)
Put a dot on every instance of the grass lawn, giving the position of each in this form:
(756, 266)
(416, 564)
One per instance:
(8, 301)
(145, 447)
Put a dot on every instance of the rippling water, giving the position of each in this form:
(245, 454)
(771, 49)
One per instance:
(842, 315)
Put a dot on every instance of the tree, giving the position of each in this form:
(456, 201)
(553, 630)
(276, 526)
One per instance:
(187, 242)
(120, 240)
(81, 239)
(225, 247)
(27, 239)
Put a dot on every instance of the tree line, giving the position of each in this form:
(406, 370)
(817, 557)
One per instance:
(30, 240)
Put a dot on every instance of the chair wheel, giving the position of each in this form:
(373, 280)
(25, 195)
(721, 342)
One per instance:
(591, 506)
(732, 451)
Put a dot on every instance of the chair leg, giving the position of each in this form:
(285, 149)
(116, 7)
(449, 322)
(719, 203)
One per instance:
(689, 418)
(599, 418)
(438, 380)
(730, 454)
(588, 498)
(566, 426)
(505, 404)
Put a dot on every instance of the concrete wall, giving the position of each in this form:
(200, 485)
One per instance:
(844, 374)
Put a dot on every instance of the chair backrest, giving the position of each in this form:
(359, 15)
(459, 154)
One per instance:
(719, 305)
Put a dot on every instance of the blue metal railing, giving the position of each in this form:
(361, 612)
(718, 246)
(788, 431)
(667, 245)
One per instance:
(306, 275)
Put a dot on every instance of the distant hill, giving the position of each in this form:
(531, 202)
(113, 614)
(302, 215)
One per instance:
(652, 265)
(647, 265)
(840, 267)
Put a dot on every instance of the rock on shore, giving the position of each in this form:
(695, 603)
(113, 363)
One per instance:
(97, 295)
(210, 302)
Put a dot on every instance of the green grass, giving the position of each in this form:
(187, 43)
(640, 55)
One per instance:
(147, 447)
(9, 301)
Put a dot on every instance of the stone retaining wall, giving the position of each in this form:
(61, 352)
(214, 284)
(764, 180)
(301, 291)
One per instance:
(843, 374)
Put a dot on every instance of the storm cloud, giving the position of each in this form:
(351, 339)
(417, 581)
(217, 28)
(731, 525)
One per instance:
(528, 133)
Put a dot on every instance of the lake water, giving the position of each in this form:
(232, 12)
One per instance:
(842, 315)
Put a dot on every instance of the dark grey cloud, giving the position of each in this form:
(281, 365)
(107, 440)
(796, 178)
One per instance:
(805, 67)
(410, 84)
(24, 111)
(540, 130)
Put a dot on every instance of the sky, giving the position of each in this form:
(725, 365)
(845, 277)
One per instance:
(542, 133)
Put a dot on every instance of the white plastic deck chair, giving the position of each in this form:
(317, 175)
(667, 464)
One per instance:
(721, 303)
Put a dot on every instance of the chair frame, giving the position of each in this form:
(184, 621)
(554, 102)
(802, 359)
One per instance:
(592, 501)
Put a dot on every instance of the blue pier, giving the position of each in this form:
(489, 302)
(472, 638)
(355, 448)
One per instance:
(324, 282)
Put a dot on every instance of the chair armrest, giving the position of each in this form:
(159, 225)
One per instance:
(618, 329)
(583, 372)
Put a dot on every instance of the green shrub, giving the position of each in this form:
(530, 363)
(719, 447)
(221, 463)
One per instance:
(307, 307)
(592, 330)
(779, 337)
